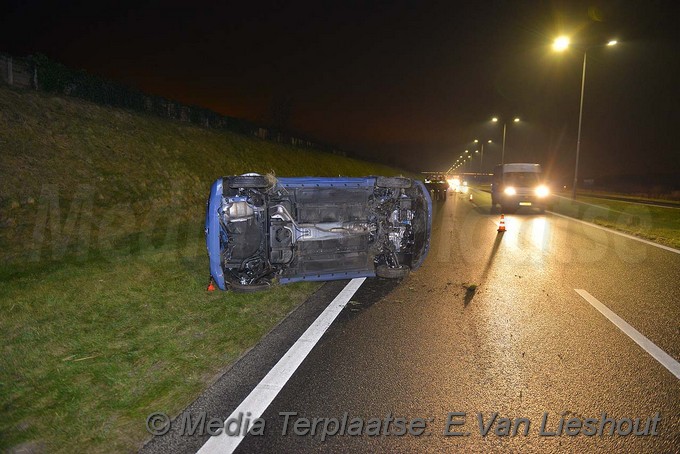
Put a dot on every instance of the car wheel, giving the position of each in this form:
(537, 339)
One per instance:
(393, 182)
(248, 181)
(391, 273)
(240, 288)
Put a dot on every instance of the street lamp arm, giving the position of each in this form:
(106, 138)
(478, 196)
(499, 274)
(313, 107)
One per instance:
(562, 43)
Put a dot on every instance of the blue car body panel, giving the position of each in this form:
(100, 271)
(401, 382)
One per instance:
(212, 233)
(328, 276)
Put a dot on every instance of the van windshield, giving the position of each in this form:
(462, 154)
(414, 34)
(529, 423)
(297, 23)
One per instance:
(521, 179)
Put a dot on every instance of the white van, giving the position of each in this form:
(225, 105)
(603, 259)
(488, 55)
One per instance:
(518, 185)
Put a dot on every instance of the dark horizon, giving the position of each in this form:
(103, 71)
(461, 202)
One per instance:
(403, 83)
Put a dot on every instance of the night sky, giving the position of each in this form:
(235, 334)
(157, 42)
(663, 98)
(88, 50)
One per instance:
(409, 83)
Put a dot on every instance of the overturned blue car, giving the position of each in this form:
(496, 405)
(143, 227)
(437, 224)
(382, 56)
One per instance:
(261, 229)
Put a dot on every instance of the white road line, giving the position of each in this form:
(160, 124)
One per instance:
(631, 237)
(264, 393)
(661, 356)
(590, 204)
(651, 204)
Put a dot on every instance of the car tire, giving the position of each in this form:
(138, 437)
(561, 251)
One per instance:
(248, 181)
(240, 288)
(393, 182)
(392, 273)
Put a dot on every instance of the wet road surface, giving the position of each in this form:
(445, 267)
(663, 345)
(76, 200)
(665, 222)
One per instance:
(490, 324)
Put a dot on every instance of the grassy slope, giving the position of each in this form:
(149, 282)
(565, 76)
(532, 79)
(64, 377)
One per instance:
(659, 224)
(673, 198)
(123, 161)
(105, 316)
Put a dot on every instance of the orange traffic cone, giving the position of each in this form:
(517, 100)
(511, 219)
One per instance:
(501, 226)
(470, 197)
(211, 286)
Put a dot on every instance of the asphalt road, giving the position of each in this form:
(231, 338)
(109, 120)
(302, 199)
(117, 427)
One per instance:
(525, 344)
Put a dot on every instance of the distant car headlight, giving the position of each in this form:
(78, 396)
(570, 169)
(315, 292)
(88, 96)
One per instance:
(542, 191)
(464, 189)
(510, 190)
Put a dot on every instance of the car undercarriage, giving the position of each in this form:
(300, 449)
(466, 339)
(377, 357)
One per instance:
(291, 229)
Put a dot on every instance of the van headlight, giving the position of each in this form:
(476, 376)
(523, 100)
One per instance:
(542, 191)
(510, 191)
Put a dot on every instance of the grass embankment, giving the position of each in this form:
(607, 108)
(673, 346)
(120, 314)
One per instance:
(672, 197)
(105, 317)
(655, 223)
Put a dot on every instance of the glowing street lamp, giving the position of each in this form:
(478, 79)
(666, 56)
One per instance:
(561, 44)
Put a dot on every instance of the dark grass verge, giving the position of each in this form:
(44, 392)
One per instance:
(90, 349)
(654, 223)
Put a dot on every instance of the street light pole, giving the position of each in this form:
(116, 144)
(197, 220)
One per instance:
(561, 44)
(580, 120)
(481, 155)
(505, 126)
(481, 159)
(503, 150)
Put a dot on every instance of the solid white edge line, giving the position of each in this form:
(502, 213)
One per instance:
(631, 237)
(661, 356)
(606, 229)
(264, 393)
(652, 204)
